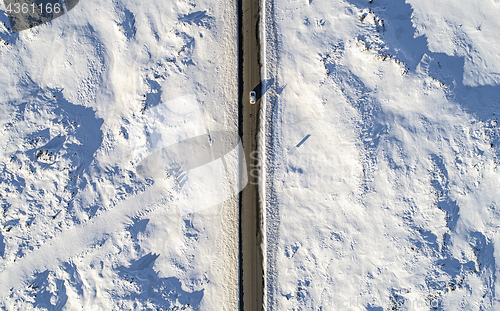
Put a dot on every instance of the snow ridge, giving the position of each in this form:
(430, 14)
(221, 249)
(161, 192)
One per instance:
(269, 150)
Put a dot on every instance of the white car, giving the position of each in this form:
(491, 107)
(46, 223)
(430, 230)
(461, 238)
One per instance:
(253, 97)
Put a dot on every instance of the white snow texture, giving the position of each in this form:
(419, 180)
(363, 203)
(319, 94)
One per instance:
(393, 201)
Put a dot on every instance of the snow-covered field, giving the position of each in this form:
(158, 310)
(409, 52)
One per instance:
(382, 184)
(393, 201)
(88, 222)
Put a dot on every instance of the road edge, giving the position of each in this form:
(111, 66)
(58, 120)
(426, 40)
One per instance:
(266, 142)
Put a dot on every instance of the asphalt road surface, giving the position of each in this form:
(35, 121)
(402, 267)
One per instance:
(252, 280)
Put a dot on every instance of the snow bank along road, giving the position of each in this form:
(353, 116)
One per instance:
(250, 235)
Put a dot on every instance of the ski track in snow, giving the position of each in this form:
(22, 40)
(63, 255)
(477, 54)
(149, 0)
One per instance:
(81, 238)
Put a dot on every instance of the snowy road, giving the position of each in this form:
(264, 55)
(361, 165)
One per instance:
(251, 255)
